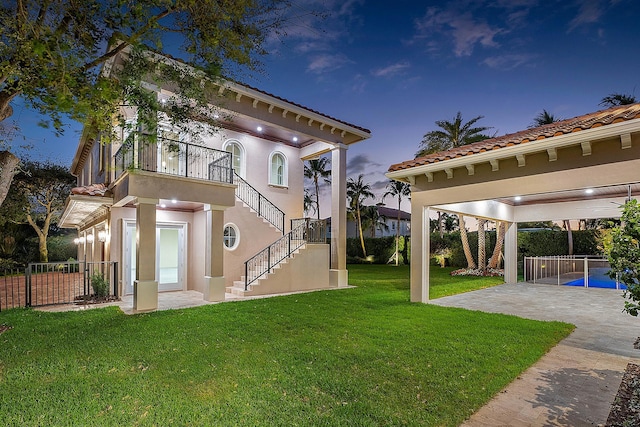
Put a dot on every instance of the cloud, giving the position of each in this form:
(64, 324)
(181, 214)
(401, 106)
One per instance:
(508, 62)
(589, 12)
(361, 164)
(391, 70)
(466, 31)
(324, 63)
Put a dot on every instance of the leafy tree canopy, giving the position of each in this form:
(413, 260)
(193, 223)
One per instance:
(60, 57)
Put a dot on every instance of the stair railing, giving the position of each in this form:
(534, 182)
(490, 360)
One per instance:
(305, 230)
(260, 204)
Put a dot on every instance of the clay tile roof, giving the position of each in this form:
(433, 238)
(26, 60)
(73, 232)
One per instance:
(588, 121)
(90, 190)
(391, 213)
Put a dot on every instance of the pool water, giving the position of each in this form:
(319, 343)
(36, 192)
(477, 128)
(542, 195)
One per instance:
(597, 279)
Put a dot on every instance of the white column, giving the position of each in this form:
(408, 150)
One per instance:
(511, 253)
(145, 287)
(214, 284)
(338, 274)
(420, 248)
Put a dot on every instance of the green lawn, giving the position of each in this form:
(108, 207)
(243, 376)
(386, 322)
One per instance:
(360, 357)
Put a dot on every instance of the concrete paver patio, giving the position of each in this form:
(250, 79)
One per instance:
(575, 383)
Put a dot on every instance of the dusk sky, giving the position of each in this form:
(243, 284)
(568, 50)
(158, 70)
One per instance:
(397, 67)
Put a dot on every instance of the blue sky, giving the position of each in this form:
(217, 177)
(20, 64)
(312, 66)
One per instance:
(397, 67)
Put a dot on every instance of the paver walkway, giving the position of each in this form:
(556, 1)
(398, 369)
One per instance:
(575, 383)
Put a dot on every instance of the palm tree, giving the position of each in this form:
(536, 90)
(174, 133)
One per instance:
(501, 228)
(544, 118)
(452, 134)
(615, 99)
(309, 203)
(397, 189)
(357, 192)
(471, 263)
(317, 171)
(372, 220)
(482, 250)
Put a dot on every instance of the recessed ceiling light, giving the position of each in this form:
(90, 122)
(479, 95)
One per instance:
(589, 191)
(163, 205)
(517, 198)
(295, 139)
(174, 201)
(259, 128)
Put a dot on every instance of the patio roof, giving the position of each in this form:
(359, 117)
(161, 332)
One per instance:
(551, 136)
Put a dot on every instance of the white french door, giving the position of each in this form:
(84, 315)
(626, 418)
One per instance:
(170, 256)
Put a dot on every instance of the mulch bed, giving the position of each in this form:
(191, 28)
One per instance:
(625, 410)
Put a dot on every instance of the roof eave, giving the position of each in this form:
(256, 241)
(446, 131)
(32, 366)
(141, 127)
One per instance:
(560, 141)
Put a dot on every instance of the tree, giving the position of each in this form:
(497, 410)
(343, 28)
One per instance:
(37, 198)
(615, 99)
(544, 118)
(501, 228)
(471, 263)
(53, 56)
(309, 203)
(624, 255)
(372, 220)
(482, 250)
(397, 189)
(452, 134)
(316, 170)
(567, 226)
(357, 192)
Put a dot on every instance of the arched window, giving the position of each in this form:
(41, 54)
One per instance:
(278, 169)
(237, 156)
(231, 236)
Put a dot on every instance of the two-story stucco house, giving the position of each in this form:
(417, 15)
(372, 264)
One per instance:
(217, 215)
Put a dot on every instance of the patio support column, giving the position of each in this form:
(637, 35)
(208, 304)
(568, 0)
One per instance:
(338, 274)
(511, 253)
(145, 287)
(214, 283)
(420, 248)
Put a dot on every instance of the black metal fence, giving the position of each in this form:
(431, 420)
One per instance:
(260, 204)
(50, 283)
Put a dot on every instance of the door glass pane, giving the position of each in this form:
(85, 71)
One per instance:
(168, 262)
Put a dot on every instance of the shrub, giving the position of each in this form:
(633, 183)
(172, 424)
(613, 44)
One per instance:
(100, 285)
(624, 255)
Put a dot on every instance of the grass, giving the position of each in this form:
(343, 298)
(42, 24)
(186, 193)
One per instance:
(358, 357)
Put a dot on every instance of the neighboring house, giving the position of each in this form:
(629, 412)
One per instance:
(182, 216)
(385, 227)
(585, 167)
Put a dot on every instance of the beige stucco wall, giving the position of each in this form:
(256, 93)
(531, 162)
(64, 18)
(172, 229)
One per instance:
(255, 235)
(309, 269)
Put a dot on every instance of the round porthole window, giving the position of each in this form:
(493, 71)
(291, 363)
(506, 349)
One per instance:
(231, 236)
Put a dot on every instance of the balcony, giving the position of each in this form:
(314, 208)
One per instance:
(170, 157)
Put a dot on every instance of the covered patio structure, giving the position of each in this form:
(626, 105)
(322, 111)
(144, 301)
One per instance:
(580, 168)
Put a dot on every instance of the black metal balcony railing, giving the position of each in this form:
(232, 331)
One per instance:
(260, 204)
(174, 158)
(304, 230)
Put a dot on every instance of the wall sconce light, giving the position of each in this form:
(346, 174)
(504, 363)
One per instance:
(102, 236)
(90, 238)
(78, 240)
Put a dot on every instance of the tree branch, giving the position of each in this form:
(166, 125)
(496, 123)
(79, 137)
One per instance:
(129, 39)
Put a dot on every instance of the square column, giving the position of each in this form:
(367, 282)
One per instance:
(511, 253)
(145, 287)
(214, 284)
(420, 248)
(338, 274)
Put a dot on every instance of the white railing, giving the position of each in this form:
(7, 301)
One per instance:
(571, 270)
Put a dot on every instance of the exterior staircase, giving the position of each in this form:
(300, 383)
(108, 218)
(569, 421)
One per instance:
(266, 265)
(262, 206)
